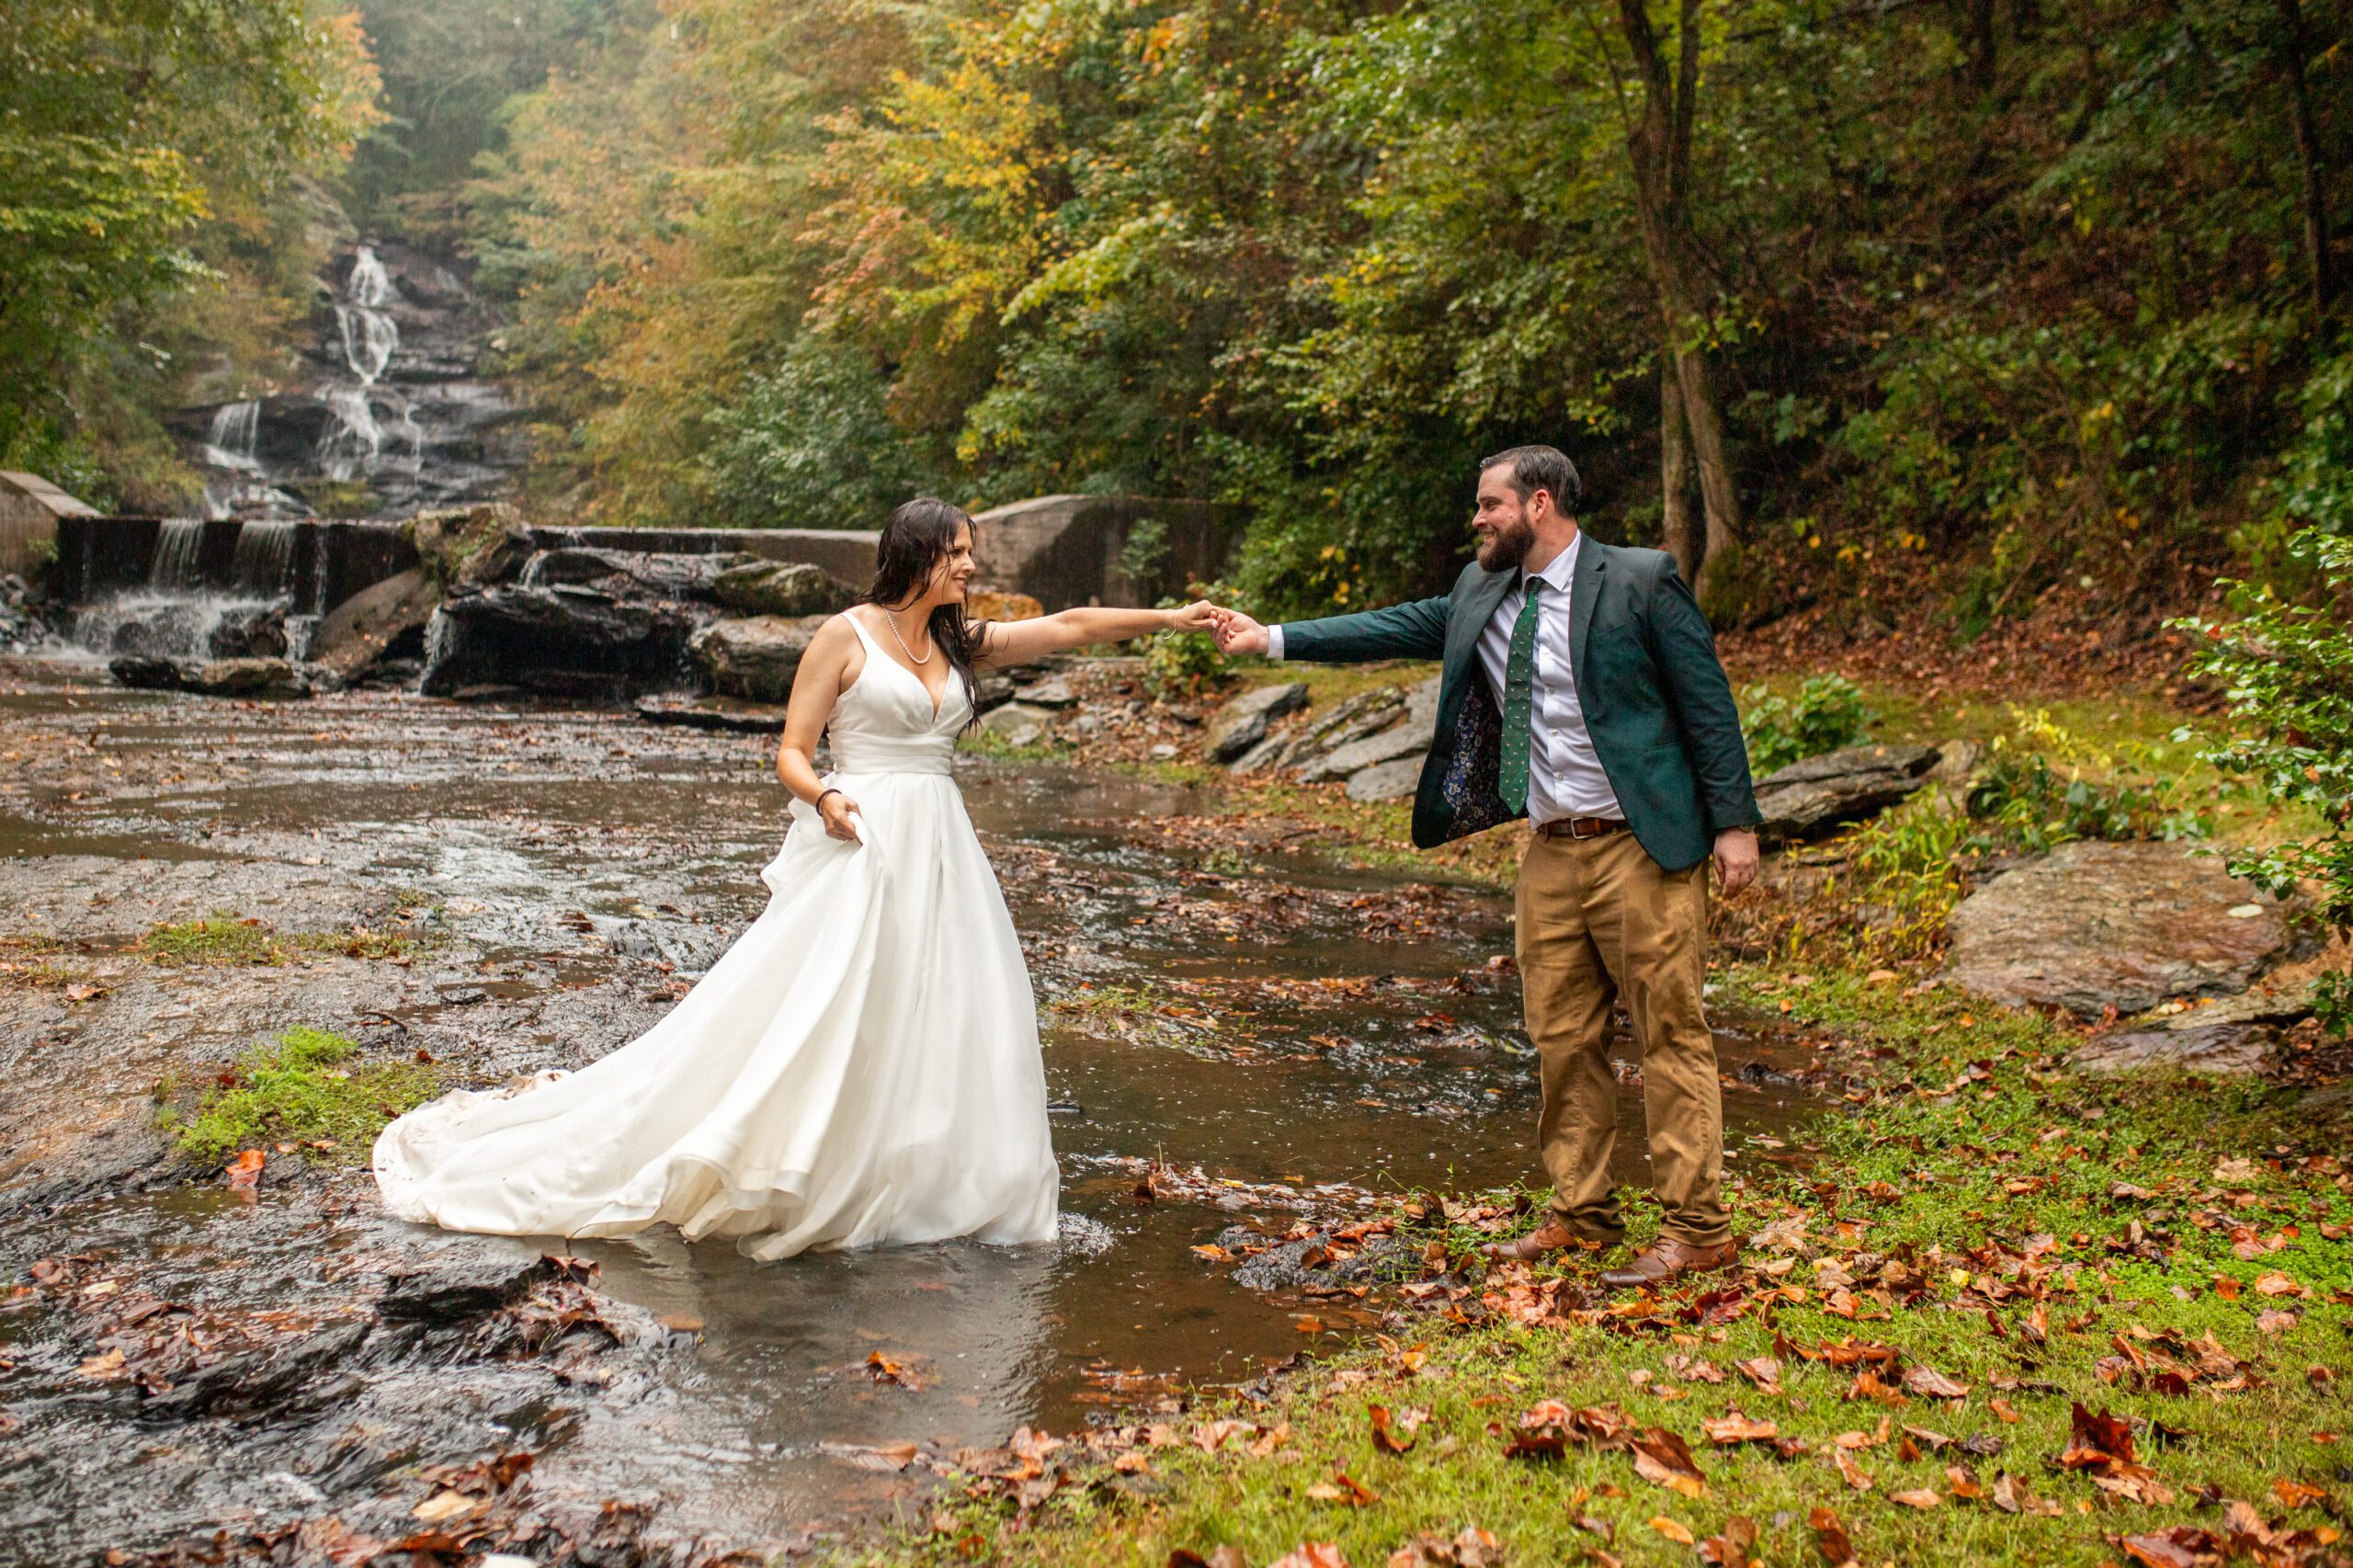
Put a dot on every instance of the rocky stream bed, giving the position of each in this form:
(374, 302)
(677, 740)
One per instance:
(1245, 1042)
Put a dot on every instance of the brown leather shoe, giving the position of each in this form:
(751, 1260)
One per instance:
(1667, 1258)
(1550, 1236)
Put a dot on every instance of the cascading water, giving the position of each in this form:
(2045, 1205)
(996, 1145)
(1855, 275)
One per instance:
(386, 415)
(352, 444)
(263, 559)
(185, 612)
(230, 443)
(180, 556)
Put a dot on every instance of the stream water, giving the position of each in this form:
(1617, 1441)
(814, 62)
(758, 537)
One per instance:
(1212, 996)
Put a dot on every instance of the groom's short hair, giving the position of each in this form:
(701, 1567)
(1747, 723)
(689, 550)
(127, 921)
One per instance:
(1542, 467)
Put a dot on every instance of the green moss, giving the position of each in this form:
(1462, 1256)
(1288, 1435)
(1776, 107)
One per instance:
(220, 939)
(298, 1090)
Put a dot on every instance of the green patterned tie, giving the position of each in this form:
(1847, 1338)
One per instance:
(1517, 712)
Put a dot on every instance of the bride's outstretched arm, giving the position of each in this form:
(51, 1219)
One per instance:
(826, 669)
(1017, 642)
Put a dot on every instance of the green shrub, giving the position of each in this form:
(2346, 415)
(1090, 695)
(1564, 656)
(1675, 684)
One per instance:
(2288, 674)
(2029, 804)
(1828, 712)
(296, 1091)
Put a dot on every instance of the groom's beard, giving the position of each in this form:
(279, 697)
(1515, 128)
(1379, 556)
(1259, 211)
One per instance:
(1507, 550)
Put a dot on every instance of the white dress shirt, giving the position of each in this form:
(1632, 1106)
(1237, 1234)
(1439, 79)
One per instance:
(1564, 776)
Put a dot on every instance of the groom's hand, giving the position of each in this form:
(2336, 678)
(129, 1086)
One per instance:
(1237, 633)
(1735, 859)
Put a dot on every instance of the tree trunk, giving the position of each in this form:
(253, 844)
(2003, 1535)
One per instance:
(1659, 147)
(2308, 155)
(1681, 529)
(1981, 44)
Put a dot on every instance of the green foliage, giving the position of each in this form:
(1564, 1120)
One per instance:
(150, 156)
(2013, 306)
(1828, 713)
(1182, 663)
(811, 445)
(2287, 670)
(298, 1089)
(2029, 804)
(222, 939)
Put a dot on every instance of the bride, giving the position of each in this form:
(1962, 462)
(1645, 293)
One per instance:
(862, 1065)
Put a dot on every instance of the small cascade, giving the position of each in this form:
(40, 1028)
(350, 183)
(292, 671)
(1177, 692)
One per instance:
(180, 556)
(185, 612)
(352, 440)
(230, 442)
(262, 565)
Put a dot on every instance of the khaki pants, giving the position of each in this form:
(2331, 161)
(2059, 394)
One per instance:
(1599, 919)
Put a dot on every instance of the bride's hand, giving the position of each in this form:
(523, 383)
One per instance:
(1198, 617)
(836, 810)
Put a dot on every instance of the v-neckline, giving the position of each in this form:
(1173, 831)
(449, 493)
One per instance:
(878, 651)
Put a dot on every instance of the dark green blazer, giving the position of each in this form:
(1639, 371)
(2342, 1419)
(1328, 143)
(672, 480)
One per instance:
(1654, 693)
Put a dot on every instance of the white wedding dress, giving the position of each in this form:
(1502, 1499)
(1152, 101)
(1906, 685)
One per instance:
(862, 1067)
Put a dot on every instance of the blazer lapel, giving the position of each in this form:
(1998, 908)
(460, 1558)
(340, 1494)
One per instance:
(1584, 589)
(1472, 611)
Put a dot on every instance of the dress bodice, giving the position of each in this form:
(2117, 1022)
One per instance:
(885, 722)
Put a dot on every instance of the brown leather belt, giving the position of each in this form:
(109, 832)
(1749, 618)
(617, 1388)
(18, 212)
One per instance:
(1580, 827)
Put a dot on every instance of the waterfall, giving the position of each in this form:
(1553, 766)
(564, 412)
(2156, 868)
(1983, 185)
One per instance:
(369, 284)
(352, 443)
(180, 555)
(230, 443)
(370, 348)
(263, 560)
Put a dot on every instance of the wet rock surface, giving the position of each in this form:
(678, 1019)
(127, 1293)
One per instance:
(538, 885)
(2094, 925)
(262, 679)
(1819, 794)
(774, 587)
(755, 658)
(568, 638)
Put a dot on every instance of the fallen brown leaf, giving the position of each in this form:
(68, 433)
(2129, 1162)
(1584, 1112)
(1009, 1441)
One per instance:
(1343, 1488)
(1830, 1538)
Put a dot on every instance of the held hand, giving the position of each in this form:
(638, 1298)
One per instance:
(1199, 616)
(1735, 859)
(1237, 633)
(836, 808)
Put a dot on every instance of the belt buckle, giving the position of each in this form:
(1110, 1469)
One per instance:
(1577, 826)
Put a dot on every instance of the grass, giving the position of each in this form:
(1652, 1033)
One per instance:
(223, 938)
(220, 939)
(2104, 1214)
(366, 942)
(298, 1090)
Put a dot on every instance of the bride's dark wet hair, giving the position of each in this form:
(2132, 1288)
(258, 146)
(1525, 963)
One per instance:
(915, 538)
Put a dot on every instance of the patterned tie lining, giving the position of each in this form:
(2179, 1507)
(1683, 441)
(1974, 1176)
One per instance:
(1518, 709)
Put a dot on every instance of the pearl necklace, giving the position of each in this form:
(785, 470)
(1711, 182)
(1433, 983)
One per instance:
(910, 653)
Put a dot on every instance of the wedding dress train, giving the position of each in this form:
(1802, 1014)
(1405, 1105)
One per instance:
(860, 1067)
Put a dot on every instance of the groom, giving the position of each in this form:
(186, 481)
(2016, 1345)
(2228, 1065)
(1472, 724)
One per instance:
(1581, 689)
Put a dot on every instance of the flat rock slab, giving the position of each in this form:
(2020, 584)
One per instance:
(1242, 723)
(1822, 792)
(725, 714)
(2234, 1050)
(452, 1285)
(1393, 780)
(2125, 925)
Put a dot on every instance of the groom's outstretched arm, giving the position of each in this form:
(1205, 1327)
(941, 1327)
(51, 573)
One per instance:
(1411, 630)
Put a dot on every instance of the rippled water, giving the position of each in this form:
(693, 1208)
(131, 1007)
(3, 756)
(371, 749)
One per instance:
(1281, 1020)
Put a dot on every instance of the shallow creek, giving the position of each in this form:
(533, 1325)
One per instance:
(1288, 1035)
